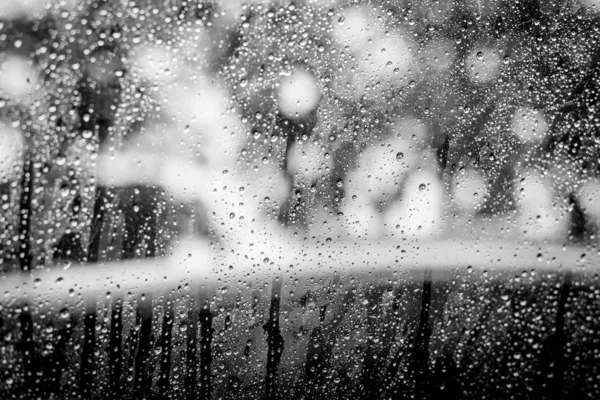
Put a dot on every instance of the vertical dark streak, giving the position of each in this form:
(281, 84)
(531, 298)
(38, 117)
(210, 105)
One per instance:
(556, 345)
(141, 380)
(25, 214)
(165, 357)
(89, 340)
(206, 336)
(191, 350)
(28, 349)
(371, 375)
(275, 341)
(26, 264)
(115, 354)
(389, 381)
(320, 347)
(59, 360)
(423, 336)
(98, 219)
(87, 354)
(131, 345)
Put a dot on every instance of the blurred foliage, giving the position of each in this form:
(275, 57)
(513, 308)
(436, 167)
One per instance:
(463, 69)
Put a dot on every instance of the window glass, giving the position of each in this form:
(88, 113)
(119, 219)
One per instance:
(242, 199)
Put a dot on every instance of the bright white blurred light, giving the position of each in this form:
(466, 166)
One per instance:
(11, 150)
(540, 217)
(589, 199)
(438, 54)
(469, 190)
(387, 60)
(18, 78)
(155, 63)
(298, 93)
(529, 125)
(215, 129)
(183, 181)
(191, 253)
(128, 168)
(361, 219)
(355, 26)
(383, 166)
(483, 65)
(594, 4)
(419, 213)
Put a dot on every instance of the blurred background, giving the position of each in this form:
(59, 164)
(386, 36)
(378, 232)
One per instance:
(129, 129)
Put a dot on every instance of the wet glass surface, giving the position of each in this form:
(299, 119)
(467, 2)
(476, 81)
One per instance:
(306, 199)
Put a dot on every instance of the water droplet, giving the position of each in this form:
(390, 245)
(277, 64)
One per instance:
(64, 313)
(422, 187)
(399, 156)
(480, 55)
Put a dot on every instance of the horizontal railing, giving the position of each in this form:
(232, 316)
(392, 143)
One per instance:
(364, 259)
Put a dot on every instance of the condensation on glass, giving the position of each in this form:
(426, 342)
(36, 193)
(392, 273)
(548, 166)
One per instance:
(299, 199)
